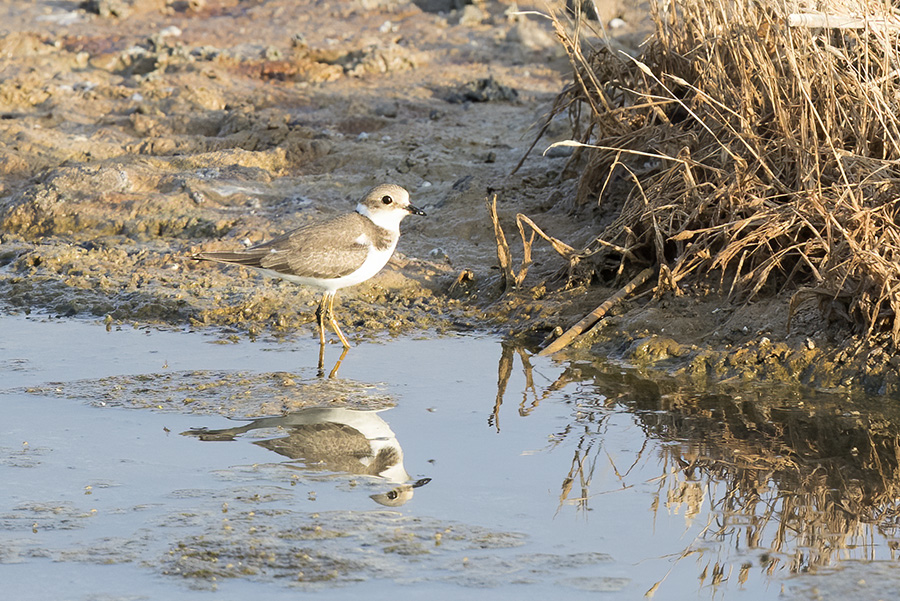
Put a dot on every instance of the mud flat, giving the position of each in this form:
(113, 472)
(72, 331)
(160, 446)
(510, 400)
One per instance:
(133, 134)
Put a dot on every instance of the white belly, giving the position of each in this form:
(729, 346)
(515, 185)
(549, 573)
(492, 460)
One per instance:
(374, 262)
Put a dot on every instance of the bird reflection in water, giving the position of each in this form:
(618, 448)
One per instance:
(334, 439)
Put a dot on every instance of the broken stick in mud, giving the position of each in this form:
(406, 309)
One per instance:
(594, 316)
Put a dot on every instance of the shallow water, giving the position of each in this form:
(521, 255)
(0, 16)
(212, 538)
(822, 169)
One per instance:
(126, 475)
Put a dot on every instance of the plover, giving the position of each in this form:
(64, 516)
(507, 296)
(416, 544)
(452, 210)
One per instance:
(341, 251)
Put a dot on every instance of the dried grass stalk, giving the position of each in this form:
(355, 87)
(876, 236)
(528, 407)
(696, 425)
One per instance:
(512, 278)
(765, 153)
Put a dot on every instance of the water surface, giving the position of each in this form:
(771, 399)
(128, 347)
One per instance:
(128, 473)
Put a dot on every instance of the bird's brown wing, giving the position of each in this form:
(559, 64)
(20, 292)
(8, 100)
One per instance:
(328, 249)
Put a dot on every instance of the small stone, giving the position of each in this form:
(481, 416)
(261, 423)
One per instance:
(471, 15)
(531, 35)
(559, 152)
(170, 32)
(107, 8)
(386, 110)
(483, 90)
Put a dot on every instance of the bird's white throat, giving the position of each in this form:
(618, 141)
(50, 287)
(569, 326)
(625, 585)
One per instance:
(388, 219)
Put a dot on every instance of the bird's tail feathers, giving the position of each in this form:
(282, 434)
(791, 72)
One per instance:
(250, 259)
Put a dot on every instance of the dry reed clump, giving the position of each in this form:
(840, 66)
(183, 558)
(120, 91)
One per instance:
(761, 143)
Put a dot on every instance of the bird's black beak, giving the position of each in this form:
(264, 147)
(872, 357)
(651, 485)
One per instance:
(415, 211)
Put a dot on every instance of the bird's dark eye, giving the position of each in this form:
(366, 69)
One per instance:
(387, 199)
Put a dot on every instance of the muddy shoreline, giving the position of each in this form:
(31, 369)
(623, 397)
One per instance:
(131, 140)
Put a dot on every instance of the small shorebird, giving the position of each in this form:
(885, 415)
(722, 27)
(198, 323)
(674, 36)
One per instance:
(341, 251)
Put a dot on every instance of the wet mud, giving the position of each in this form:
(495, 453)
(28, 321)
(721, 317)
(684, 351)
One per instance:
(137, 134)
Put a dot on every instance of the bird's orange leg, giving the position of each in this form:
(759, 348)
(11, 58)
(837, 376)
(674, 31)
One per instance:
(320, 318)
(334, 323)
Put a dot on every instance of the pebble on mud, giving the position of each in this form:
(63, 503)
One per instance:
(107, 8)
(483, 90)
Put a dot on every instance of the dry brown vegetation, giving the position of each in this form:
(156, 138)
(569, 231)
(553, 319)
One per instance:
(757, 148)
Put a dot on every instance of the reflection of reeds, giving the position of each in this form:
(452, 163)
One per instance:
(819, 485)
(584, 477)
(504, 370)
(809, 479)
(751, 143)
